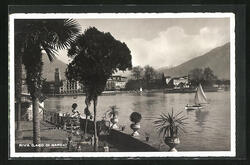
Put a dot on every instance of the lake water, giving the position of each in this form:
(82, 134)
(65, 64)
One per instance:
(206, 130)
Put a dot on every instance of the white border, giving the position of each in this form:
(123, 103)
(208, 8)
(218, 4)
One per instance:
(231, 153)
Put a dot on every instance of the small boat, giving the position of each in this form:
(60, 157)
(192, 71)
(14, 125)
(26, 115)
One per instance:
(200, 98)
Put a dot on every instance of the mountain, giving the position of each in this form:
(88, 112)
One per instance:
(217, 59)
(49, 68)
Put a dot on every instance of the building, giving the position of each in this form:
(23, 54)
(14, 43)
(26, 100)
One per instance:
(57, 82)
(110, 85)
(59, 86)
(70, 87)
(116, 83)
(181, 82)
(177, 82)
(168, 78)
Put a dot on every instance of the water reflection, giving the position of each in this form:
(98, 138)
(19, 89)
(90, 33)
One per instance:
(150, 103)
(201, 117)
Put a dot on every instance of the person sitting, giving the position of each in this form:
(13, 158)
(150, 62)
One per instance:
(74, 111)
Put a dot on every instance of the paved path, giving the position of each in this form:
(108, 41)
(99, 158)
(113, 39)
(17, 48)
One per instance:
(55, 138)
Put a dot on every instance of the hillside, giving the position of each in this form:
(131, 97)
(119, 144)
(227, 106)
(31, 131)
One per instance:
(49, 68)
(217, 59)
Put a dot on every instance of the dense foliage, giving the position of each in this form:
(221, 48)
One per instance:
(206, 77)
(96, 56)
(137, 72)
(146, 78)
(135, 117)
(31, 38)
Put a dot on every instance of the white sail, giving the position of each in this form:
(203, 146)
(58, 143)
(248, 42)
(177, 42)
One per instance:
(200, 97)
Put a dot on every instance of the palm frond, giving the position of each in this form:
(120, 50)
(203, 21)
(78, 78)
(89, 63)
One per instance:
(66, 33)
(170, 122)
(50, 51)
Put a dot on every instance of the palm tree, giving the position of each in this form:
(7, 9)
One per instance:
(18, 89)
(33, 36)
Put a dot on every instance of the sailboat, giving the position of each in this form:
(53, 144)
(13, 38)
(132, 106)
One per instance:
(200, 98)
(140, 89)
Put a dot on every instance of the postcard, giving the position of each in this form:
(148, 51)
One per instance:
(122, 85)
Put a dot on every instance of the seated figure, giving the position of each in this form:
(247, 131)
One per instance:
(74, 111)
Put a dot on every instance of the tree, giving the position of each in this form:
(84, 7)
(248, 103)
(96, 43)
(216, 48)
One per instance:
(87, 113)
(137, 72)
(163, 80)
(96, 56)
(206, 77)
(209, 77)
(133, 85)
(18, 87)
(31, 37)
(196, 76)
(149, 74)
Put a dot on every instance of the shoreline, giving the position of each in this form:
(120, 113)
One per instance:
(106, 93)
(165, 90)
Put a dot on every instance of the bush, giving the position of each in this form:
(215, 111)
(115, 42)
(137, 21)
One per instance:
(135, 117)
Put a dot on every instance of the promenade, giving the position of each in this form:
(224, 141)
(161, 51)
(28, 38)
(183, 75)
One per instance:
(54, 140)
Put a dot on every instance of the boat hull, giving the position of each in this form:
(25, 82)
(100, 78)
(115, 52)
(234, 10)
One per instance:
(193, 107)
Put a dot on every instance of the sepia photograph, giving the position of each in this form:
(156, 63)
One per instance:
(122, 85)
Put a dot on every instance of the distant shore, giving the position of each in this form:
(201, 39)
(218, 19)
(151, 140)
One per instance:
(107, 92)
(166, 90)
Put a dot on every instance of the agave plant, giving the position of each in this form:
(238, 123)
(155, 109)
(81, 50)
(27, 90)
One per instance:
(112, 114)
(170, 124)
(112, 111)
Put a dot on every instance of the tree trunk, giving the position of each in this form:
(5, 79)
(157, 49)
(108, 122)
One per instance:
(36, 122)
(18, 127)
(86, 123)
(18, 85)
(19, 132)
(95, 130)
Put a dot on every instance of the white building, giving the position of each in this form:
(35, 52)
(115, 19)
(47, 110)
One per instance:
(116, 82)
(181, 82)
(120, 84)
(70, 87)
(168, 79)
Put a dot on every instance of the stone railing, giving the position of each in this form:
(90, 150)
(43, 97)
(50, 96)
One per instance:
(124, 142)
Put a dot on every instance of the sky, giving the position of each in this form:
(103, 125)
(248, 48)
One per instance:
(163, 42)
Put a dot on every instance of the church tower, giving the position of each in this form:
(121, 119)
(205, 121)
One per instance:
(57, 80)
